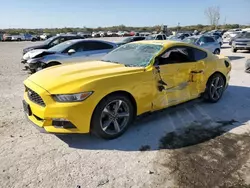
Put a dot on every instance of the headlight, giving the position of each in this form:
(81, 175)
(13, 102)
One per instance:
(72, 97)
(27, 50)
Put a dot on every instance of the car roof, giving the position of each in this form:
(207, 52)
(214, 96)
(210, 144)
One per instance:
(161, 42)
(90, 40)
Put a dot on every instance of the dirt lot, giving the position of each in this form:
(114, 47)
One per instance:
(192, 145)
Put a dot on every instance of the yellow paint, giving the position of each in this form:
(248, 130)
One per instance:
(104, 78)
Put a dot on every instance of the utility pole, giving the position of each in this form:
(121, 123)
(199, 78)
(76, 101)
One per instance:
(178, 27)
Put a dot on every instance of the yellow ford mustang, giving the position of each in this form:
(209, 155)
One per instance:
(105, 96)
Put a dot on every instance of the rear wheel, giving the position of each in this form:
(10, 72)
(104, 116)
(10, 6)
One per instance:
(233, 49)
(215, 88)
(217, 51)
(112, 116)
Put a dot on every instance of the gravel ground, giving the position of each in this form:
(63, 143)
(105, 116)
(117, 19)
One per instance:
(195, 144)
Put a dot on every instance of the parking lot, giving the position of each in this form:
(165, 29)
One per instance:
(195, 144)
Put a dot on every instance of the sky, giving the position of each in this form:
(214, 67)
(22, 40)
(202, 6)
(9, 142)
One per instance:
(95, 13)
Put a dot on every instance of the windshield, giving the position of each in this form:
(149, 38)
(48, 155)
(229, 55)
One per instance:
(61, 47)
(137, 55)
(245, 35)
(49, 40)
(190, 40)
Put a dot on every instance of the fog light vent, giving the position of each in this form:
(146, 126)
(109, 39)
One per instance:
(62, 123)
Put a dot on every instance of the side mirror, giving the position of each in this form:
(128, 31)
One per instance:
(202, 43)
(71, 51)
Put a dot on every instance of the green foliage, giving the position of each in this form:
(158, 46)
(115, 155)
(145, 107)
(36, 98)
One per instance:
(53, 31)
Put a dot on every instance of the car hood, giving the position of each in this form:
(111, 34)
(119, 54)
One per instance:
(41, 46)
(242, 39)
(36, 53)
(57, 79)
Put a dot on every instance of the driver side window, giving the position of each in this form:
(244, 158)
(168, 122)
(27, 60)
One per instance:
(159, 37)
(57, 41)
(176, 55)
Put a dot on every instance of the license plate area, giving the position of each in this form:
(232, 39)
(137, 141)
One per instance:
(26, 108)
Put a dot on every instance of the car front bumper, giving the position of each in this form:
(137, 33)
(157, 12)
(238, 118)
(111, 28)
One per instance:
(242, 46)
(77, 113)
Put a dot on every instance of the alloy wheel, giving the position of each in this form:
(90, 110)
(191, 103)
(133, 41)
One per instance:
(115, 117)
(216, 88)
(217, 52)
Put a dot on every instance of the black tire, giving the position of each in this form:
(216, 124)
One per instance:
(18, 39)
(234, 50)
(96, 121)
(247, 70)
(217, 51)
(209, 94)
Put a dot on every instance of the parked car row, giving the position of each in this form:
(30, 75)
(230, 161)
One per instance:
(20, 37)
(105, 95)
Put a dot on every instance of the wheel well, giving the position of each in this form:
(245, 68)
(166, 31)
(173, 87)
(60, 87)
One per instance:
(53, 63)
(124, 93)
(223, 76)
(127, 94)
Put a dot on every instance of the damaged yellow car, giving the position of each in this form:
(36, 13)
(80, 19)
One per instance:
(105, 96)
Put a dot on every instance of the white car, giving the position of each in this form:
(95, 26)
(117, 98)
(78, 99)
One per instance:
(44, 36)
(110, 33)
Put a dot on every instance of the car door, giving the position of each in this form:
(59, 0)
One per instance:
(207, 43)
(177, 68)
(79, 55)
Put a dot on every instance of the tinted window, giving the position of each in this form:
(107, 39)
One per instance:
(164, 37)
(94, 45)
(208, 39)
(176, 55)
(57, 41)
(159, 37)
(139, 38)
(199, 54)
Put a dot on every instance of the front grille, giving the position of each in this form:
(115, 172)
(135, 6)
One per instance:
(34, 97)
(241, 44)
(243, 41)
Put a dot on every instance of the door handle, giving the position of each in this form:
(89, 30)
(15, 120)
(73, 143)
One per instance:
(197, 72)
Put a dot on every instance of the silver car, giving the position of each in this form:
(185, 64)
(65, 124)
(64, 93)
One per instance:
(71, 51)
(207, 42)
(241, 43)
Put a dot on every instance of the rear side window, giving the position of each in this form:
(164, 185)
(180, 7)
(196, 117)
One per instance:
(164, 37)
(209, 39)
(199, 54)
(95, 45)
(159, 37)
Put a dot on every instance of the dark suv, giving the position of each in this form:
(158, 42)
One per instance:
(52, 41)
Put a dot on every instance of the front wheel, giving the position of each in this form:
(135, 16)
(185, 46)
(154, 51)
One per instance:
(217, 51)
(215, 88)
(112, 116)
(234, 50)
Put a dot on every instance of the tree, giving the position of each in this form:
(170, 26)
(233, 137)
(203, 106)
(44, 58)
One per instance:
(213, 15)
